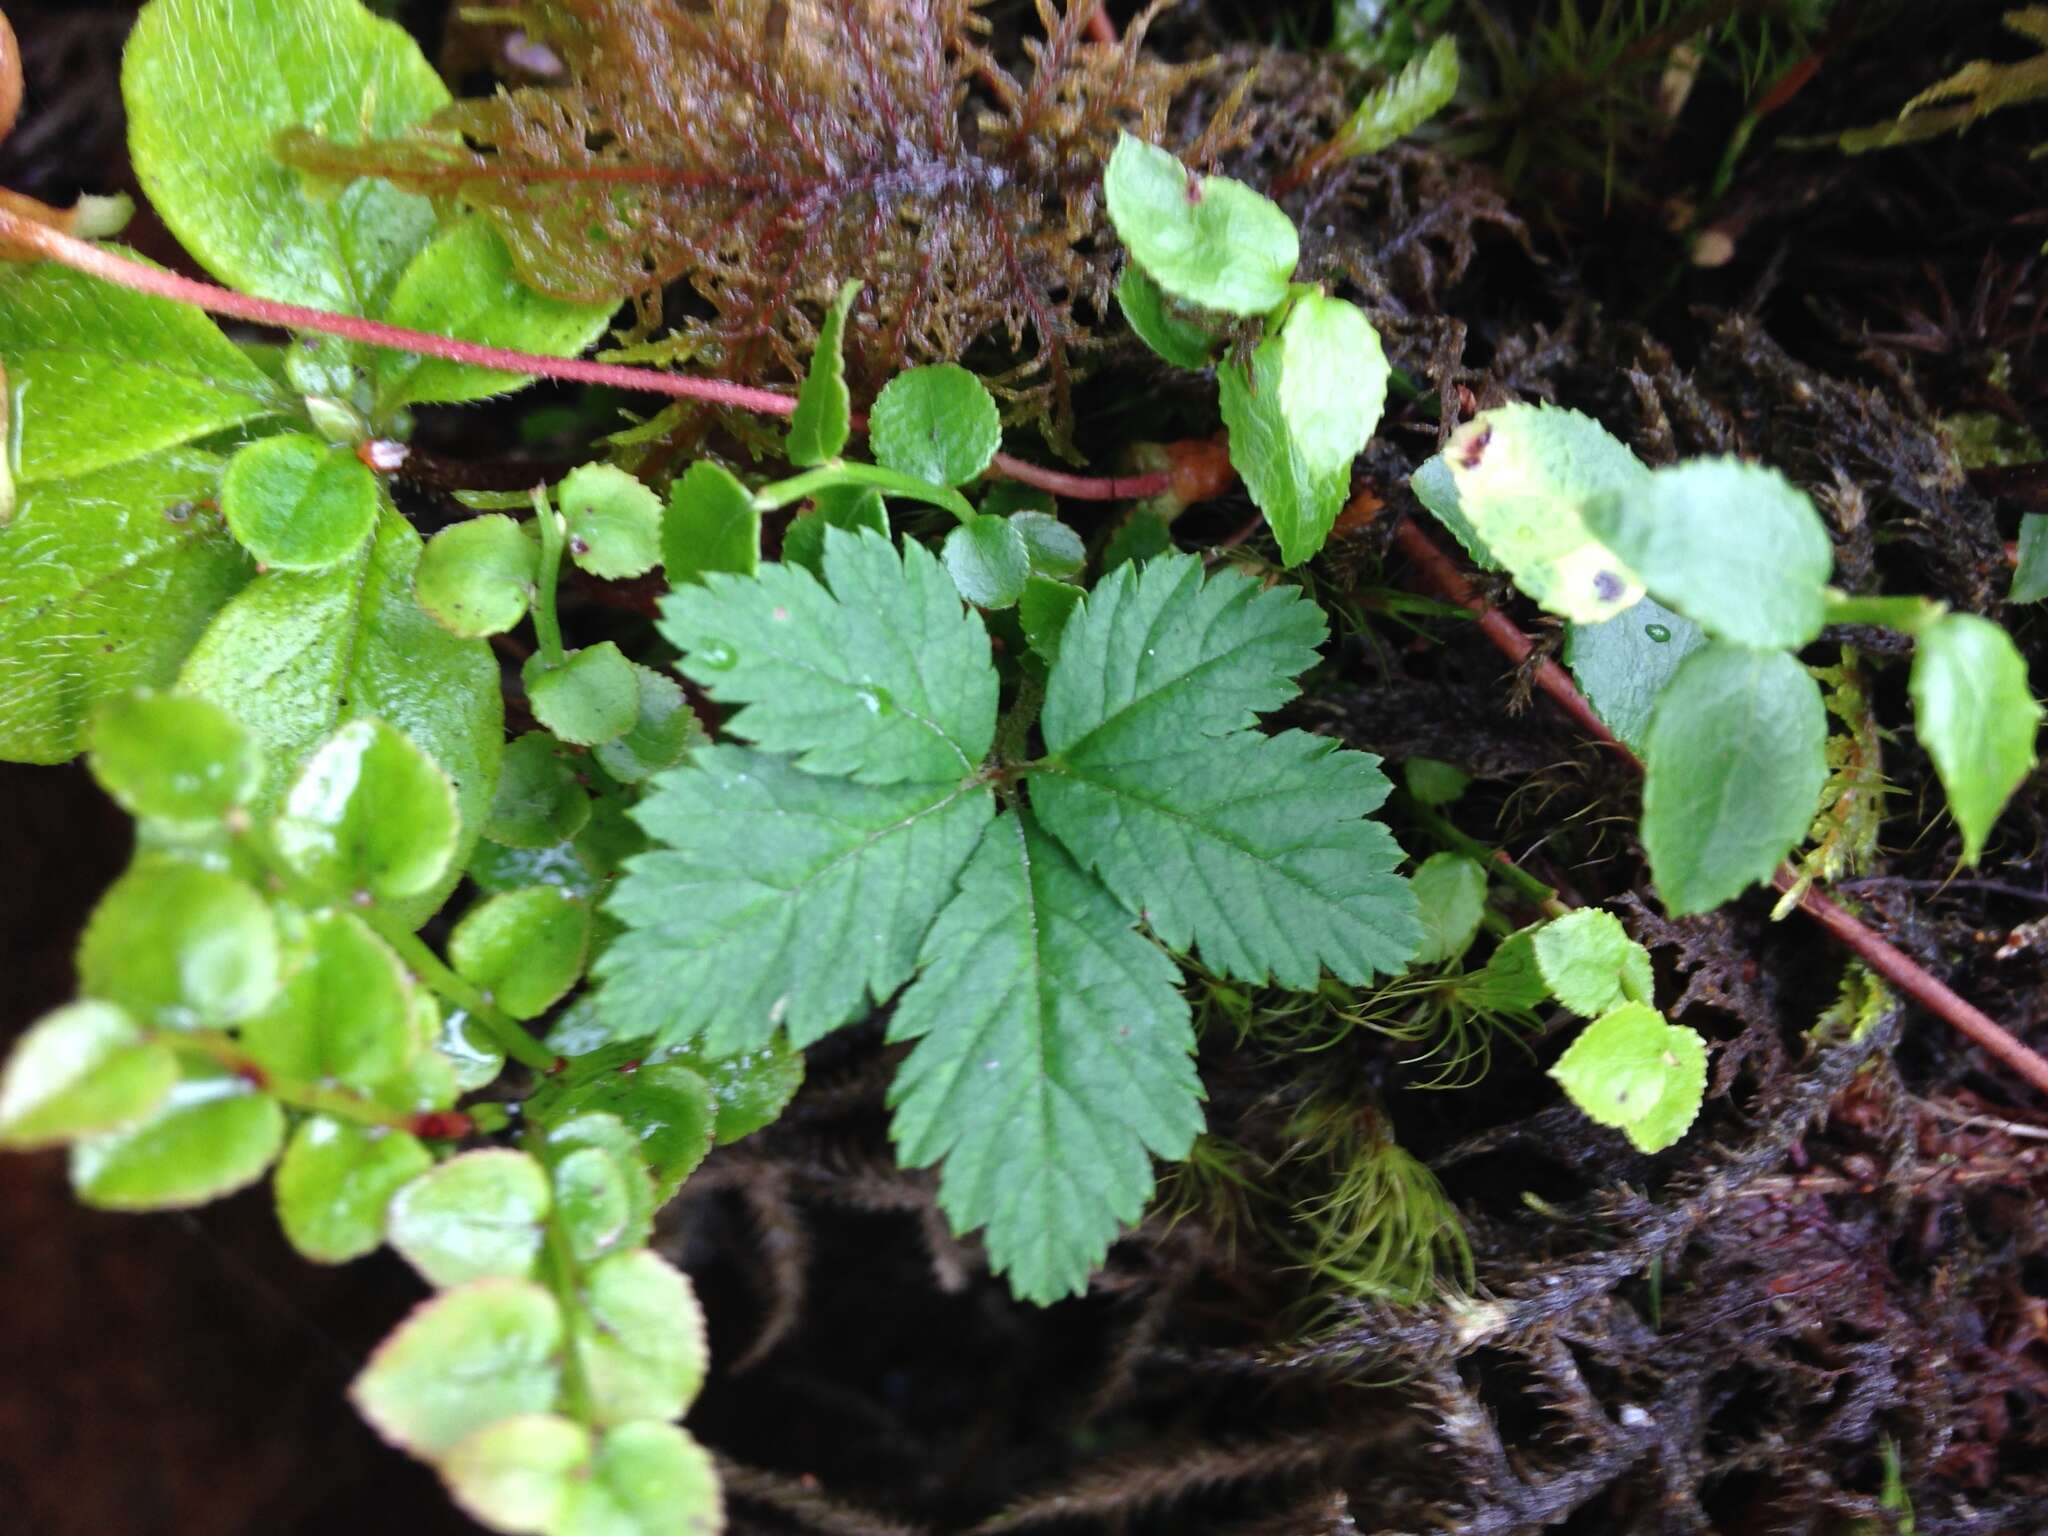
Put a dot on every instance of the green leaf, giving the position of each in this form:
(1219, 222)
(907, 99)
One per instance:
(603, 1200)
(1395, 110)
(712, 525)
(369, 812)
(591, 697)
(81, 1071)
(209, 1137)
(662, 735)
(1302, 414)
(345, 1011)
(750, 1089)
(1510, 981)
(298, 504)
(1207, 240)
(476, 578)
(106, 581)
(1524, 475)
(209, 84)
(1250, 848)
(1735, 757)
(613, 521)
(823, 417)
(1043, 611)
(1055, 549)
(539, 802)
(473, 1060)
(1437, 489)
(1047, 1120)
(988, 561)
(782, 899)
(295, 657)
(1623, 663)
(1735, 547)
(1140, 537)
(638, 1335)
(516, 1474)
(1433, 782)
(1631, 1070)
(666, 1106)
(469, 1358)
(1591, 964)
(335, 1181)
(937, 424)
(165, 757)
(884, 676)
(647, 1480)
(852, 507)
(100, 376)
(180, 946)
(462, 284)
(477, 1215)
(1180, 339)
(2030, 576)
(1975, 713)
(1161, 650)
(1450, 894)
(524, 948)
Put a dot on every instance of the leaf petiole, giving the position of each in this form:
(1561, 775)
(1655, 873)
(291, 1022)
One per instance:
(421, 960)
(546, 628)
(1907, 615)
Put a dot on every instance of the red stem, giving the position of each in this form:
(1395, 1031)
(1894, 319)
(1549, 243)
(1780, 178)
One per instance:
(1101, 26)
(26, 236)
(1924, 988)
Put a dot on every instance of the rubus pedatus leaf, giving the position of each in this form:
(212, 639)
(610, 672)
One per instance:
(1975, 713)
(1046, 1118)
(1632, 1070)
(749, 158)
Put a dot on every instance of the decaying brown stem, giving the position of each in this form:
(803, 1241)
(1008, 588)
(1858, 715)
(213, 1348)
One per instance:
(1927, 990)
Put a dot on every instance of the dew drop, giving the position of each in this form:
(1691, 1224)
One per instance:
(717, 655)
(876, 699)
(991, 1065)
(1658, 632)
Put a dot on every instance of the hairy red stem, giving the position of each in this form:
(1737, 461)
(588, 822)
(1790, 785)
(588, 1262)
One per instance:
(25, 236)
(1889, 962)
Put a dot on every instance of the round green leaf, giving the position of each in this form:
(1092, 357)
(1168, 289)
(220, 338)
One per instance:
(614, 522)
(540, 801)
(476, 1215)
(665, 1104)
(515, 1475)
(477, 577)
(639, 1337)
(172, 758)
(524, 948)
(209, 1137)
(180, 947)
(336, 1180)
(471, 1057)
(988, 561)
(369, 812)
(591, 697)
(81, 1071)
(938, 424)
(470, 1358)
(1056, 550)
(712, 525)
(1591, 964)
(1206, 240)
(664, 732)
(1181, 341)
(648, 1480)
(345, 1010)
(601, 1209)
(296, 503)
(1633, 1071)
(1450, 890)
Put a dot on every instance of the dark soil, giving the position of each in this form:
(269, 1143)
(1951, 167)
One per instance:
(1848, 1252)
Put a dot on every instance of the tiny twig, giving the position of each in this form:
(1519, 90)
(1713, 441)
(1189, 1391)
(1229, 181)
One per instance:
(22, 237)
(1882, 957)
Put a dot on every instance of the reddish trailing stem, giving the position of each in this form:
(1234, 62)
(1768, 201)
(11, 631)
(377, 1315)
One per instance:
(23, 237)
(1924, 988)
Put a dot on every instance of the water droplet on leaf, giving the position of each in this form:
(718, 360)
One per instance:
(1658, 632)
(717, 655)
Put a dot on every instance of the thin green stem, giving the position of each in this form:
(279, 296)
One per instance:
(434, 971)
(339, 1103)
(1493, 860)
(547, 629)
(1907, 615)
(844, 472)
